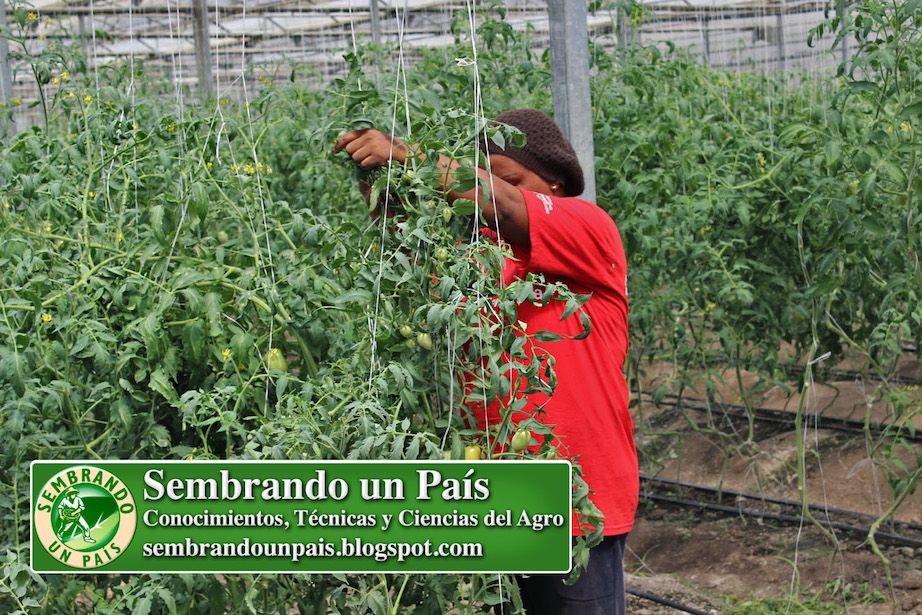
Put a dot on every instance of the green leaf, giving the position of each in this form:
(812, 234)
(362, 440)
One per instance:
(168, 599)
(464, 207)
(375, 601)
(142, 606)
(659, 393)
(587, 326)
(161, 384)
(193, 337)
(833, 153)
(14, 368)
(915, 108)
(547, 336)
(198, 204)
(212, 303)
(862, 86)
(357, 295)
(464, 179)
(862, 162)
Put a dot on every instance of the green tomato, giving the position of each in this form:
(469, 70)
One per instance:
(520, 440)
(472, 452)
(424, 340)
(446, 214)
(441, 254)
(222, 236)
(277, 360)
(406, 331)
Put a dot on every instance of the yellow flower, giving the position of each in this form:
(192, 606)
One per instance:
(226, 354)
(890, 129)
(208, 164)
(48, 228)
(234, 168)
(17, 102)
(70, 95)
(249, 169)
(56, 81)
(259, 166)
(46, 318)
(711, 306)
(269, 170)
(904, 127)
(65, 76)
(87, 99)
(31, 17)
(92, 194)
(48, 21)
(120, 237)
(134, 126)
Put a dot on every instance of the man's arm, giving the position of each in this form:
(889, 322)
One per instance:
(505, 212)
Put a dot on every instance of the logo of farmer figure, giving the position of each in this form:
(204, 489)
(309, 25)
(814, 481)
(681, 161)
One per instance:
(70, 514)
(85, 517)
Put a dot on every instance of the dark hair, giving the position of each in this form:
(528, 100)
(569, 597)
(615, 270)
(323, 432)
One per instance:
(546, 151)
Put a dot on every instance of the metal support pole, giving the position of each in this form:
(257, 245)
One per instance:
(707, 39)
(780, 22)
(6, 78)
(375, 22)
(203, 48)
(570, 81)
(625, 30)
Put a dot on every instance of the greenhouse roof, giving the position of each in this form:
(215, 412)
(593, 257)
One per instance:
(249, 38)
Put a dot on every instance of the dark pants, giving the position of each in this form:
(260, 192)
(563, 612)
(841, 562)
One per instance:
(599, 590)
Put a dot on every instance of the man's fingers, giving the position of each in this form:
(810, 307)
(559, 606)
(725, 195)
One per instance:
(348, 138)
(369, 148)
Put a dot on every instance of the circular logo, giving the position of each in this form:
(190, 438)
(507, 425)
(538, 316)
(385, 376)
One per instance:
(85, 517)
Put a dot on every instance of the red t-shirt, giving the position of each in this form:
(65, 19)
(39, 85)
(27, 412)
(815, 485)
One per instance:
(575, 242)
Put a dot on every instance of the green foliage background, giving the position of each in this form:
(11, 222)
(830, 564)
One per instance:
(153, 255)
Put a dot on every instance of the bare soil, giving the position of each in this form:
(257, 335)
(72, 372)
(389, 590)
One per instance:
(713, 563)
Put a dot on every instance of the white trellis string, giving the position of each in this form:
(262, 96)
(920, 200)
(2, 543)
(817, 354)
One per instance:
(401, 70)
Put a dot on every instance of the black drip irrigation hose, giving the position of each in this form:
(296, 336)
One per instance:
(759, 514)
(786, 417)
(665, 601)
(853, 374)
(772, 500)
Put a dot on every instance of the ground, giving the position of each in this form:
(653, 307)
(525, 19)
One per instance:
(715, 563)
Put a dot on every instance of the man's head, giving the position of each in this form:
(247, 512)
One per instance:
(546, 152)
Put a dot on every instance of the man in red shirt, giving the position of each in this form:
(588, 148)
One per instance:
(533, 206)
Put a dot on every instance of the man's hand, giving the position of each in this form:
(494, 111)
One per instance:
(370, 148)
(504, 211)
